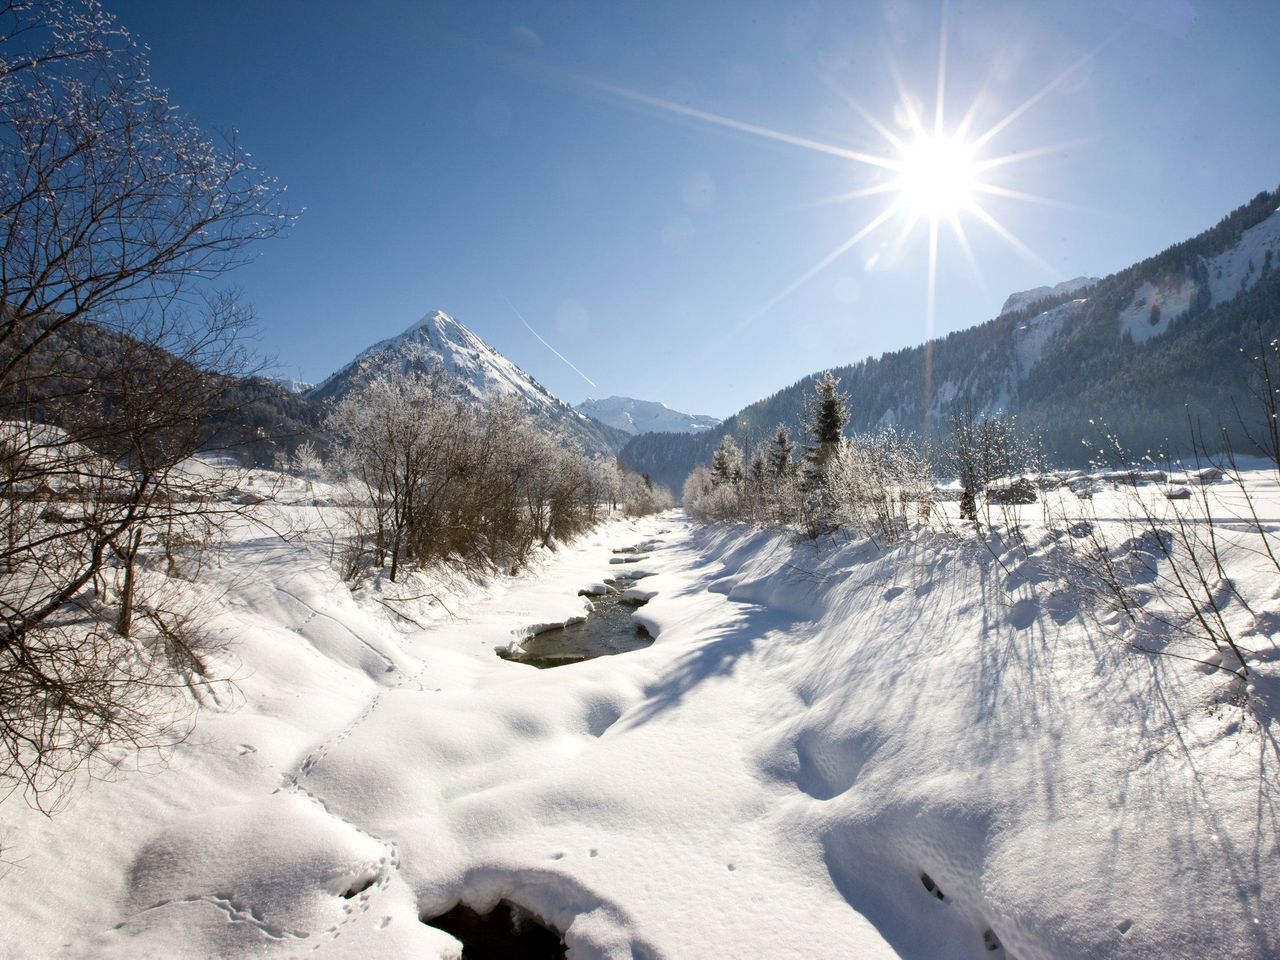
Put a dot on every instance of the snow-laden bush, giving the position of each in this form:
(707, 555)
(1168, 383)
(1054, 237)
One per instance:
(877, 483)
(709, 500)
(641, 497)
(432, 479)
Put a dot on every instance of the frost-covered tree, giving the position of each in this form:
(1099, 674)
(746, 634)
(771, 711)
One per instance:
(781, 460)
(114, 211)
(726, 463)
(981, 449)
(879, 483)
(826, 416)
(437, 480)
(709, 500)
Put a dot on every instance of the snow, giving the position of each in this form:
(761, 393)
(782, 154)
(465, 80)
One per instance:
(1031, 338)
(815, 726)
(645, 416)
(290, 385)
(1165, 303)
(1236, 270)
(1025, 298)
(439, 338)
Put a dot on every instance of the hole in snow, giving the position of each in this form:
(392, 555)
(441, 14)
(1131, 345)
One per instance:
(360, 885)
(507, 932)
(931, 886)
(990, 940)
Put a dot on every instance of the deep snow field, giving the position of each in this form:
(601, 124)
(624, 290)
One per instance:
(817, 727)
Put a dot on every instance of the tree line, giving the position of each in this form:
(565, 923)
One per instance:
(434, 479)
(877, 483)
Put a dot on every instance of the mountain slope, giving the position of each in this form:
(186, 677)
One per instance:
(477, 371)
(1027, 298)
(645, 416)
(1135, 351)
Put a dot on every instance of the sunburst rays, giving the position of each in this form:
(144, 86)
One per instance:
(930, 174)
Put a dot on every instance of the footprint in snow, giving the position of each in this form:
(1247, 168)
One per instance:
(931, 886)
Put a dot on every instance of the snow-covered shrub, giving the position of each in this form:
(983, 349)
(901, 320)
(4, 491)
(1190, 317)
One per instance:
(709, 500)
(306, 462)
(878, 483)
(642, 497)
(432, 479)
(983, 449)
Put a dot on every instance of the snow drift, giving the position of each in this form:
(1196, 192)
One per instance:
(830, 750)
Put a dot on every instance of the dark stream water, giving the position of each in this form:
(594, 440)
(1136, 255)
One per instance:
(607, 630)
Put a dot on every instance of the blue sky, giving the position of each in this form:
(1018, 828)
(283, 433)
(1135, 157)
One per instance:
(463, 155)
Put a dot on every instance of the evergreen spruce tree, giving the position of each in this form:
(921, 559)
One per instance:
(726, 462)
(780, 462)
(825, 420)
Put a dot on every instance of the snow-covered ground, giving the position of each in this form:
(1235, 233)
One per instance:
(817, 729)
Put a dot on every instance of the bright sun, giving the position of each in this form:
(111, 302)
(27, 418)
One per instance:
(927, 175)
(937, 176)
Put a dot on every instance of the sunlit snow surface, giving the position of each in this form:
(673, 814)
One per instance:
(813, 729)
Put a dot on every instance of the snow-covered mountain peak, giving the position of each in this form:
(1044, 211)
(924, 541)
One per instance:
(645, 416)
(290, 385)
(1024, 298)
(440, 342)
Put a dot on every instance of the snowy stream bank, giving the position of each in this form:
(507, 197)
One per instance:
(840, 752)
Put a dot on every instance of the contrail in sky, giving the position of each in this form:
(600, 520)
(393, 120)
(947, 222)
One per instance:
(549, 346)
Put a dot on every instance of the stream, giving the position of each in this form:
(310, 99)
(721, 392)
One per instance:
(607, 629)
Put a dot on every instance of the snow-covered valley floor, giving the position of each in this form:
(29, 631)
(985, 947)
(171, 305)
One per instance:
(829, 751)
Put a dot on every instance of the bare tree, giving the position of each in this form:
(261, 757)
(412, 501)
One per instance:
(438, 480)
(114, 210)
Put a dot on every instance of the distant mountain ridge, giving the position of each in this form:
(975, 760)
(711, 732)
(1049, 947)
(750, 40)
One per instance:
(290, 385)
(1026, 298)
(1135, 351)
(634, 416)
(477, 370)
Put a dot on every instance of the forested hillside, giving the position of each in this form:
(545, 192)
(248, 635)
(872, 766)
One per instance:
(1166, 339)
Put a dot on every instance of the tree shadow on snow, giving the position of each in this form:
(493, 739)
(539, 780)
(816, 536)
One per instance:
(714, 656)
